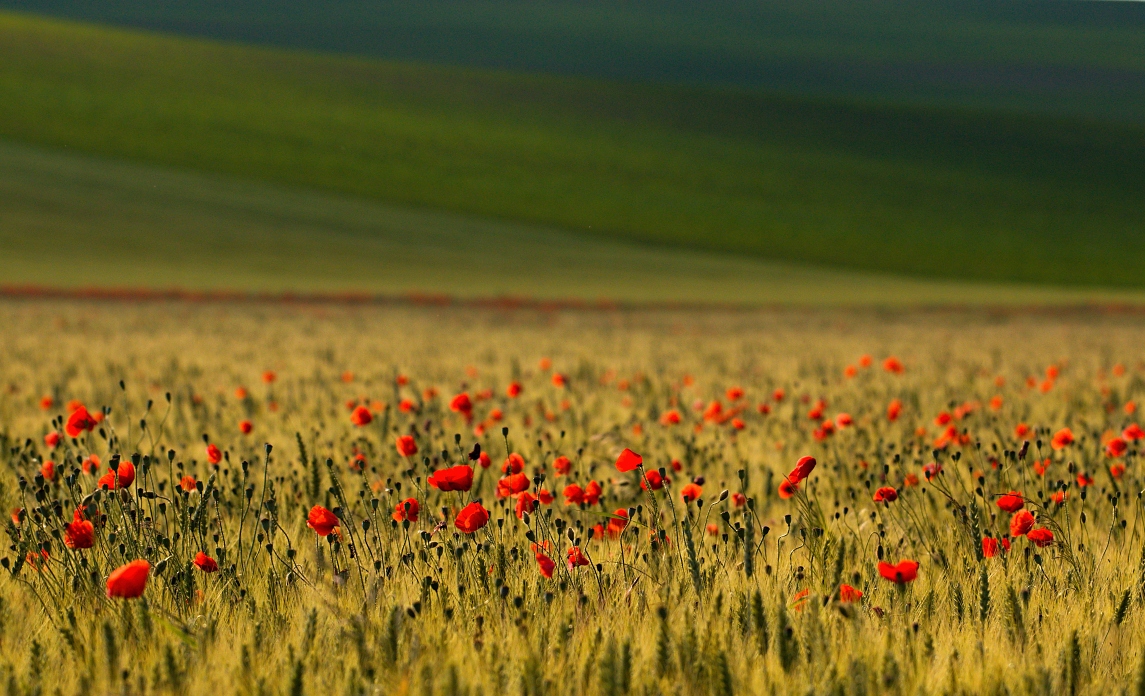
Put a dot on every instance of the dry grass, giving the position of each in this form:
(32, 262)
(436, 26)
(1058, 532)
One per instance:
(447, 613)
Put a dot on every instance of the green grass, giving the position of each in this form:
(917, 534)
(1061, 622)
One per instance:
(76, 221)
(1079, 57)
(933, 193)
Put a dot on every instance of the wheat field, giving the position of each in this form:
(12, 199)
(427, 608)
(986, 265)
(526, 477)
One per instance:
(226, 498)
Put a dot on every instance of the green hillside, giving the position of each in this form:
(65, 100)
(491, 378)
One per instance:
(75, 221)
(1062, 56)
(928, 192)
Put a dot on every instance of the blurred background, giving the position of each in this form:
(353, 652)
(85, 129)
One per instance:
(770, 151)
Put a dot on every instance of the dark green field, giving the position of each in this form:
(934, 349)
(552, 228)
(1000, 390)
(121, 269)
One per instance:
(1057, 56)
(928, 192)
(74, 221)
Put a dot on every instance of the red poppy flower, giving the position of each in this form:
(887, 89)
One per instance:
(576, 558)
(574, 494)
(16, 513)
(361, 416)
(1021, 522)
(406, 510)
(787, 488)
(617, 522)
(1117, 470)
(48, 470)
(562, 465)
(848, 594)
(1011, 502)
(989, 547)
(802, 470)
(512, 484)
(52, 440)
(778, 395)
(406, 445)
(526, 502)
(128, 581)
(245, 427)
(1133, 433)
(886, 494)
(79, 533)
(931, 470)
(187, 483)
(407, 406)
(559, 380)
(79, 421)
(894, 410)
(484, 460)
(515, 464)
(823, 432)
(628, 460)
(321, 520)
(1041, 536)
(514, 390)
(691, 492)
(241, 393)
(734, 393)
(592, 493)
(654, 480)
(214, 456)
(123, 477)
(455, 478)
(472, 517)
(893, 365)
(1084, 479)
(799, 600)
(546, 565)
(47, 402)
(739, 499)
(34, 561)
(903, 572)
(91, 464)
(1116, 448)
(205, 563)
(268, 376)
(670, 418)
(1059, 498)
(461, 404)
(1062, 439)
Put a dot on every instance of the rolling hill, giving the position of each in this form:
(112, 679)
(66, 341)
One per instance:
(71, 221)
(1054, 56)
(910, 190)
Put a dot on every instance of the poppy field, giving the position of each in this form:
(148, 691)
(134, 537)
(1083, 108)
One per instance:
(264, 498)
